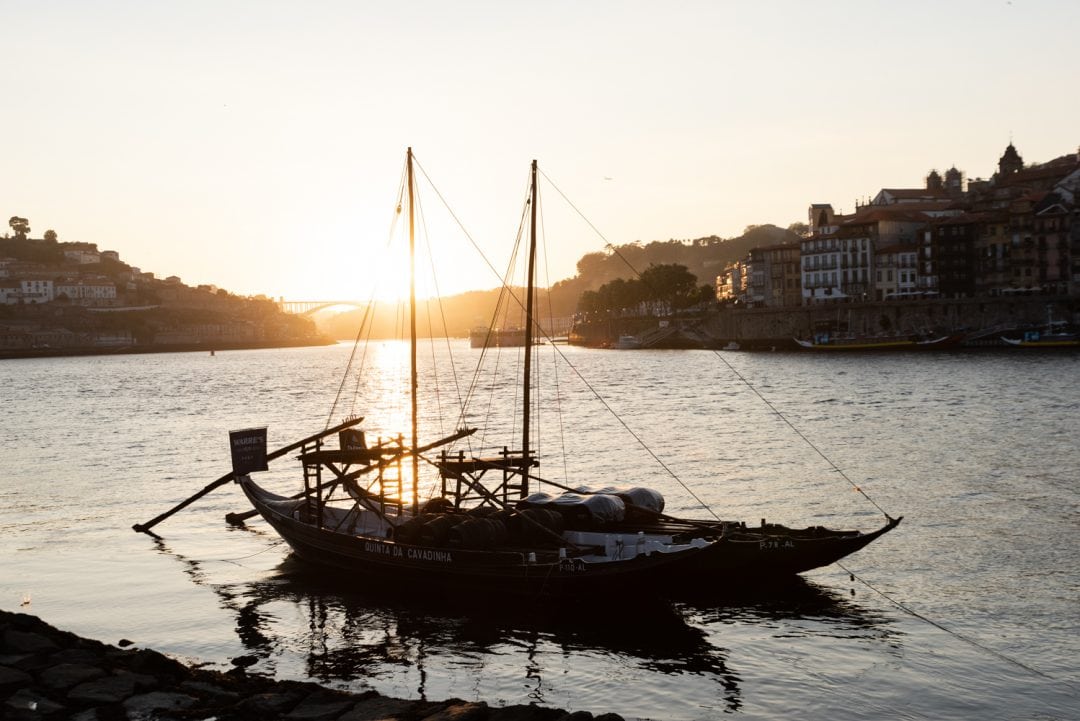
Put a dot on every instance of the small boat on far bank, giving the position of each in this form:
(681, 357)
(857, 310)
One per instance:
(1037, 339)
(831, 342)
(1053, 334)
(482, 337)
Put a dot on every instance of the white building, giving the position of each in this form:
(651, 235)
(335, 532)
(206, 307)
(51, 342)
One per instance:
(36, 290)
(87, 291)
(10, 292)
(81, 253)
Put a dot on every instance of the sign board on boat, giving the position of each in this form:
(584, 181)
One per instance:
(248, 448)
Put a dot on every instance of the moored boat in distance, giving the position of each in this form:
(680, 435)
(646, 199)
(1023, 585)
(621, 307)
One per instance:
(843, 342)
(491, 523)
(483, 337)
(1052, 334)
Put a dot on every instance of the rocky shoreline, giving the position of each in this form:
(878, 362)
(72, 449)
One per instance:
(46, 673)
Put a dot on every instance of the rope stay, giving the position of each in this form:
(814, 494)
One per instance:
(368, 319)
(966, 639)
(799, 433)
(739, 375)
(543, 333)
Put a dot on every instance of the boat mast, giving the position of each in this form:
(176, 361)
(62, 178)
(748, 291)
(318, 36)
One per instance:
(412, 333)
(528, 334)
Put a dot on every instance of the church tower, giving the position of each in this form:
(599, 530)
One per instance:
(1010, 162)
(954, 182)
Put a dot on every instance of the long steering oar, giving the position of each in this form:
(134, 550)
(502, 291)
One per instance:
(145, 527)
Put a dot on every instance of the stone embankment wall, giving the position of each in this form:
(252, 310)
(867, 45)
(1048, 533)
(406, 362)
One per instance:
(899, 317)
(51, 674)
(775, 327)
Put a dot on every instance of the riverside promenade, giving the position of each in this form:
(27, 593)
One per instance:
(46, 673)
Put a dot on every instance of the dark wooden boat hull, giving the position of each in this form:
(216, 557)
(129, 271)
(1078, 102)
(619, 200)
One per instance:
(727, 560)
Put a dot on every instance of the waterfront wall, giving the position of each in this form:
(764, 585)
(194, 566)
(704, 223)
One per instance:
(966, 315)
(776, 327)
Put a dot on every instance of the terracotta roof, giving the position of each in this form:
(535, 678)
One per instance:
(878, 213)
(942, 204)
(917, 193)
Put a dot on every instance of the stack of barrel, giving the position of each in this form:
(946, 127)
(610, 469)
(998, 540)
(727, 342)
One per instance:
(483, 529)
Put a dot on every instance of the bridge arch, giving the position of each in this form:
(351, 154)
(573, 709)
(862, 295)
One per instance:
(307, 307)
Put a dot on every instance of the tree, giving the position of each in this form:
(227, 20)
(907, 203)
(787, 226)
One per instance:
(673, 284)
(50, 236)
(799, 228)
(21, 226)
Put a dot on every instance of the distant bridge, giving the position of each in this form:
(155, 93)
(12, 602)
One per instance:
(307, 307)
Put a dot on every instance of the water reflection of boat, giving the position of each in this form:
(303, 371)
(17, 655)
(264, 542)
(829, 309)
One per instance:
(296, 620)
(645, 630)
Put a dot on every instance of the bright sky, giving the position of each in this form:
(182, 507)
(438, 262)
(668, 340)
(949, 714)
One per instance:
(257, 145)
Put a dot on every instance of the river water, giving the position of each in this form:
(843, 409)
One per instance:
(969, 610)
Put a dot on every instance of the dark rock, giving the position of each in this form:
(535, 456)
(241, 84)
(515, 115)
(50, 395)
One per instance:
(111, 689)
(522, 712)
(245, 661)
(87, 715)
(143, 704)
(146, 661)
(124, 643)
(209, 690)
(271, 704)
(13, 659)
(142, 681)
(461, 712)
(13, 678)
(104, 683)
(32, 662)
(86, 656)
(374, 708)
(321, 706)
(26, 642)
(31, 701)
(65, 675)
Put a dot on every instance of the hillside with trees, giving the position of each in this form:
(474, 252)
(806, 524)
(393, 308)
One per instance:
(611, 274)
(70, 297)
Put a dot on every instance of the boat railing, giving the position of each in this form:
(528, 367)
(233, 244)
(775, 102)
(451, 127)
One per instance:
(460, 473)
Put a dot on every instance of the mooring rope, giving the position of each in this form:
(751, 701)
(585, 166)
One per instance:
(799, 433)
(942, 627)
(272, 546)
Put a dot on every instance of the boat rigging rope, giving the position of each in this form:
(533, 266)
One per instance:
(557, 350)
(425, 236)
(367, 321)
(740, 376)
(554, 356)
(966, 639)
(799, 433)
(348, 365)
